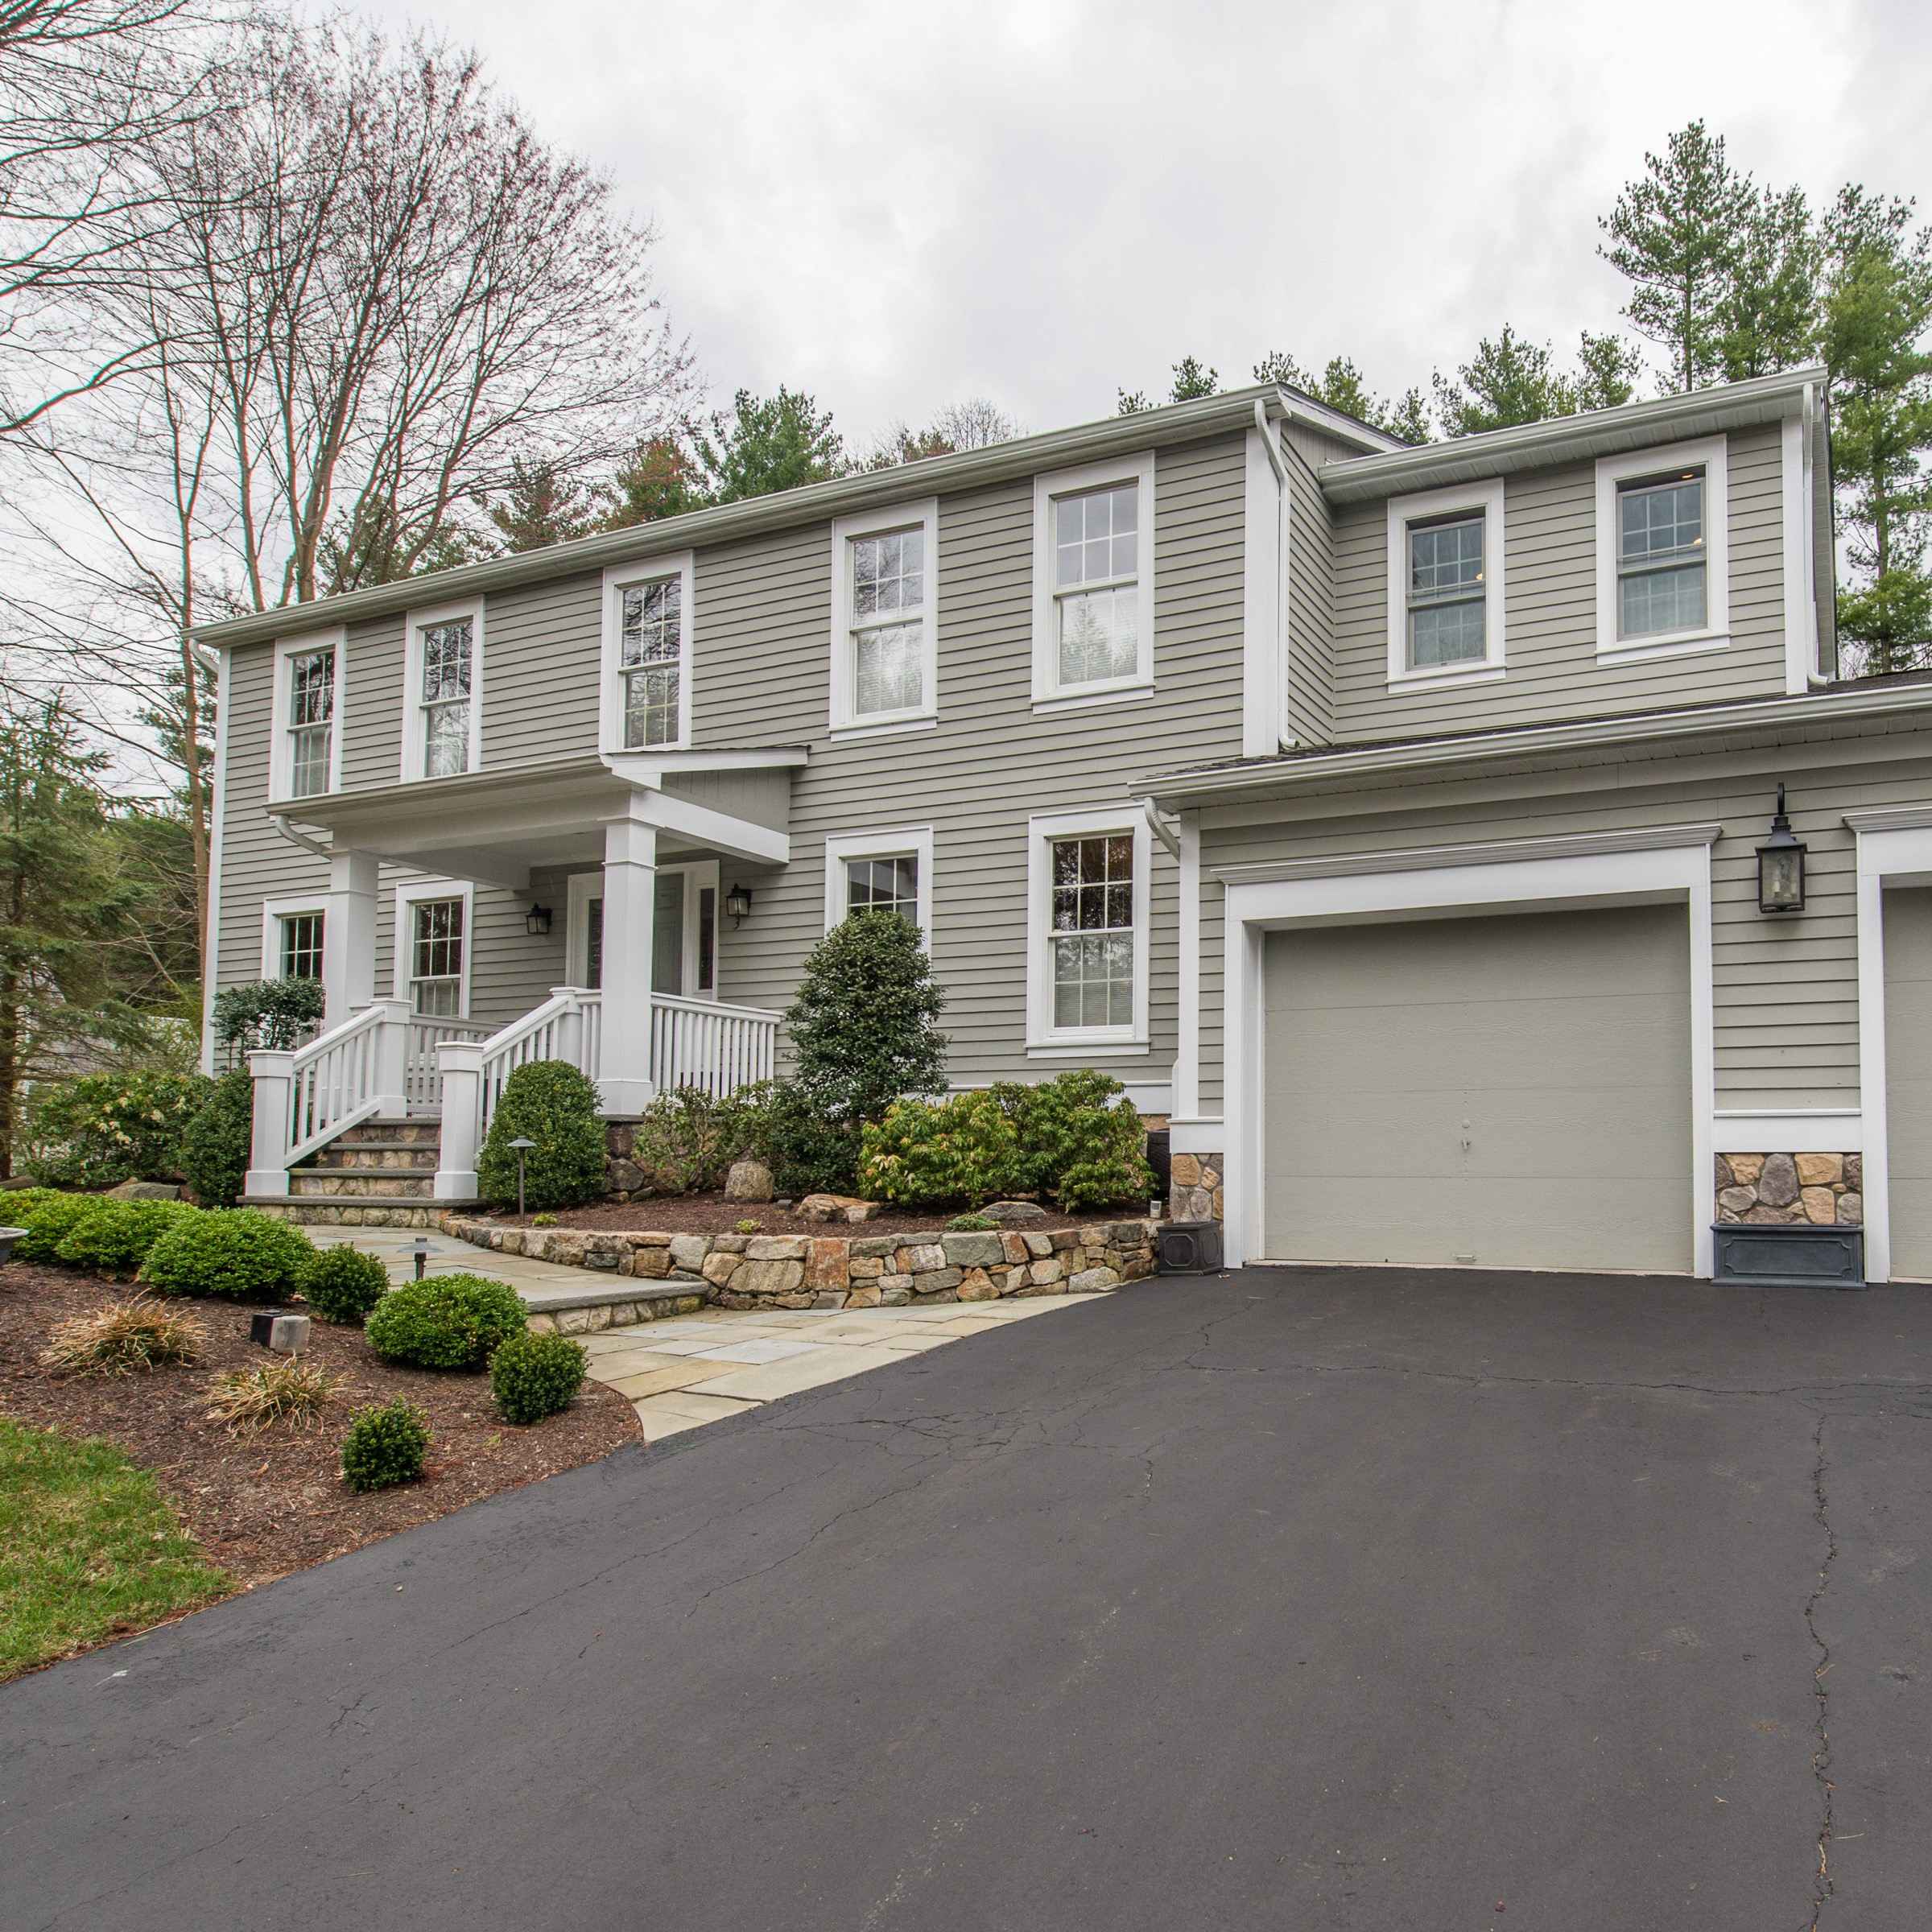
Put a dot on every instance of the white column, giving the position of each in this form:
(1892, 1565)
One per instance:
(631, 880)
(273, 1071)
(1187, 1063)
(461, 1063)
(348, 939)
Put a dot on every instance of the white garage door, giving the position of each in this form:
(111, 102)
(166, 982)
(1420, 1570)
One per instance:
(1512, 1091)
(1909, 1079)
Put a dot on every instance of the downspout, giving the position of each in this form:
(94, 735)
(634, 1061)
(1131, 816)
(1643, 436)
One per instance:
(1166, 828)
(288, 832)
(1809, 419)
(1272, 449)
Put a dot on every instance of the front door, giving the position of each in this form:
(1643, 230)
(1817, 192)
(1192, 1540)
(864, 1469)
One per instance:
(667, 934)
(685, 913)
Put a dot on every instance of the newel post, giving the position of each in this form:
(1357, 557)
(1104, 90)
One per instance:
(391, 1070)
(273, 1072)
(570, 1029)
(461, 1064)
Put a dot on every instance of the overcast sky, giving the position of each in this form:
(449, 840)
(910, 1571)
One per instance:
(896, 206)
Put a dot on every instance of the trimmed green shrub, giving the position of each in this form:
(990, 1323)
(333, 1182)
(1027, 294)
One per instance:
(549, 1102)
(963, 1149)
(268, 1013)
(686, 1140)
(533, 1376)
(384, 1446)
(215, 1143)
(106, 1128)
(115, 1236)
(16, 1204)
(1083, 1142)
(862, 1027)
(807, 1150)
(237, 1252)
(49, 1222)
(342, 1284)
(445, 1321)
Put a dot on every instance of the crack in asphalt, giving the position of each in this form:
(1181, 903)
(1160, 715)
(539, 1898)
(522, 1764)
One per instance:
(1821, 1751)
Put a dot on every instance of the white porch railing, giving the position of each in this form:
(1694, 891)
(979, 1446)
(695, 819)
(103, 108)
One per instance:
(701, 1043)
(422, 1073)
(305, 1098)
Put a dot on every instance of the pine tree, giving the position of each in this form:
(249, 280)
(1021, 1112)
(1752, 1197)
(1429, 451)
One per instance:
(1341, 387)
(766, 443)
(1191, 379)
(659, 480)
(1767, 318)
(1509, 381)
(541, 505)
(1877, 315)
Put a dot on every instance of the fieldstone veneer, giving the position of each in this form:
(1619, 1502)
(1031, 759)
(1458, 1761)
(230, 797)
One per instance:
(1825, 1190)
(839, 1271)
(1194, 1192)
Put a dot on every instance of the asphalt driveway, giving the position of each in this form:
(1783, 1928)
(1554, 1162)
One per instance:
(1310, 1599)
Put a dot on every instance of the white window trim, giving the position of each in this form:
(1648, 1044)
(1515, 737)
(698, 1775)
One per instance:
(407, 897)
(281, 762)
(1048, 693)
(911, 841)
(1707, 452)
(274, 912)
(923, 515)
(413, 747)
(1043, 1039)
(1402, 511)
(683, 565)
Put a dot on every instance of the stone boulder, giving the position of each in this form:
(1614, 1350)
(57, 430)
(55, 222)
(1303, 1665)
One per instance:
(748, 1181)
(836, 1207)
(1007, 1213)
(144, 1190)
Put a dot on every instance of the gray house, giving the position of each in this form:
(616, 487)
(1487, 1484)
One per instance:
(1387, 819)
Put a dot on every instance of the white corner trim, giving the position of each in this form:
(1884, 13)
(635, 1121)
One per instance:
(1499, 852)
(413, 749)
(1789, 1130)
(1264, 596)
(683, 565)
(1044, 1040)
(1254, 910)
(406, 896)
(1402, 511)
(1137, 468)
(274, 912)
(217, 827)
(1800, 559)
(1708, 452)
(281, 761)
(923, 515)
(913, 841)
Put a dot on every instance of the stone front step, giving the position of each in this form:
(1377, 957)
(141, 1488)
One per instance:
(412, 1132)
(362, 1156)
(341, 1213)
(312, 1183)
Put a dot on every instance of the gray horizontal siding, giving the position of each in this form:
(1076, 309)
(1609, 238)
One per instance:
(1784, 990)
(1550, 555)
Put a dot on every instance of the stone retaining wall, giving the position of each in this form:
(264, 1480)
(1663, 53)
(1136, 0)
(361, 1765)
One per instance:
(1194, 1191)
(842, 1271)
(1769, 1190)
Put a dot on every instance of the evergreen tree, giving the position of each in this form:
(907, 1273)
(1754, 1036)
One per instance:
(1877, 314)
(1341, 387)
(766, 443)
(1767, 318)
(1677, 235)
(1510, 381)
(542, 504)
(1606, 369)
(660, 480)
(1192, 379)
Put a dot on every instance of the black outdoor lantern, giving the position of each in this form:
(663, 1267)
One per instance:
(536, 921)
(1781, 866)
(737, 902)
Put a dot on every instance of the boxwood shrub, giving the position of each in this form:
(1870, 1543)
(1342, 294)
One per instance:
(445, 1321)
(114, 1237)
(549, 1102)
(342, 1284)
(533, 1376)
(384, 1446)
(237, 1252)
(214, 1144)
(48, 1223)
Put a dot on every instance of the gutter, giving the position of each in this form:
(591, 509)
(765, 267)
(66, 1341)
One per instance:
(1174, 791)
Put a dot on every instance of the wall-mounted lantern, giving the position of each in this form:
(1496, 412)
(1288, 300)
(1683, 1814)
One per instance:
(1781, 866)
(536, 921)
(737, 902)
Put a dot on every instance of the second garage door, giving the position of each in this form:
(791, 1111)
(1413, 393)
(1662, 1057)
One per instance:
(1510, 1092)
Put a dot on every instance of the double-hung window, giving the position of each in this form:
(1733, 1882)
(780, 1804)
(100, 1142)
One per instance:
(1088, 883)
(306, 759)
(442, 707)
(300, 949)
(884, 618)
(1446, 586)
(1093, 584)
(1661, 557)
(880, 871)
(647, 647)
(437, 939)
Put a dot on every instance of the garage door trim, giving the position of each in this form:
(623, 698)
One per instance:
(1522, 883)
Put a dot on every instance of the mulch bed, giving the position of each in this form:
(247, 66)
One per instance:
(713, 1214)
(263, 1504)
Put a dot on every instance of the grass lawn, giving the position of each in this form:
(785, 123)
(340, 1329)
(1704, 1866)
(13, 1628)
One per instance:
(87, 1548)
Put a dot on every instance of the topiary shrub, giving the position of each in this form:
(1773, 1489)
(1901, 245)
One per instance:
(343, 1284)
(268, 1013)
(215, 1143)
(114, 1237)
(549, 1102)
(237, 1252)
(49, 1222)
(533, 1376)
(1082, 1141)
(106, 1128)
(963, 1149)
(384, 1446)
(446, 1321)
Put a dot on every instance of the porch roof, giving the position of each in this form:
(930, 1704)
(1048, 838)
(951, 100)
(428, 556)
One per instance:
(497, 826)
